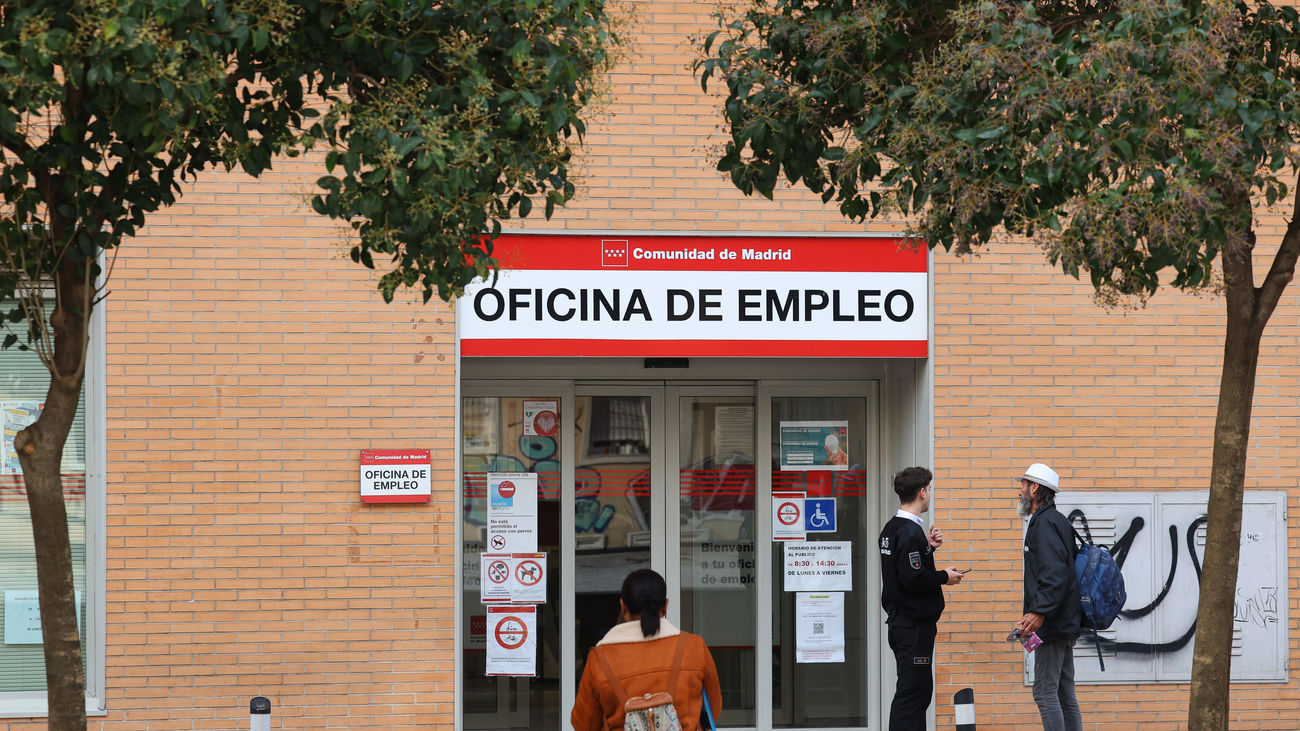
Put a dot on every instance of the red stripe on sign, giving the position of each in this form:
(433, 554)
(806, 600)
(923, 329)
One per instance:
(521, 347)
(395, 498)
(395, 456)
(709, 253)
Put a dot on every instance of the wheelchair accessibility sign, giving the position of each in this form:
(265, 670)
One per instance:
(819, 514)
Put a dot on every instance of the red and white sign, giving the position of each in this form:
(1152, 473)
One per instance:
(512, 512)
(516, 578)
(396, 476)
(541, 419)
(703, 296)
(787, 516)
(512, 641)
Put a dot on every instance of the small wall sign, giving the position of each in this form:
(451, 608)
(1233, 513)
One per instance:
(396, 476)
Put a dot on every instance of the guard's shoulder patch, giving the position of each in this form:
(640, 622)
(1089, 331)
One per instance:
(914, 559)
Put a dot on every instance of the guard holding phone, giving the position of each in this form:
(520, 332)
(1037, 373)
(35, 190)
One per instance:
(912, 597)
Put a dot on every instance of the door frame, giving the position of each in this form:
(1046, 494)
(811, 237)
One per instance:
(870, 389)
(665, 397)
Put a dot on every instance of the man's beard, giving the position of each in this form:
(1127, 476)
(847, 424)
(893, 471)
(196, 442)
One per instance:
(1024, 508)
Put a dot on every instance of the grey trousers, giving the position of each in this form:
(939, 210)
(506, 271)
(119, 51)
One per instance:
(1054, 686)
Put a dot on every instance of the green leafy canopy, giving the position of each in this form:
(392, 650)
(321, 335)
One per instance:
(439, 119)
(1126, 138)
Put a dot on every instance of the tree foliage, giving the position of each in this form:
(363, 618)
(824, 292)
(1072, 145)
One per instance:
(440, 119)
(437, 120)
(1130, 139)
(1126, 137)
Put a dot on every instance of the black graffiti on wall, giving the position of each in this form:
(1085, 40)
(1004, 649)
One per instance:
(1120, 552)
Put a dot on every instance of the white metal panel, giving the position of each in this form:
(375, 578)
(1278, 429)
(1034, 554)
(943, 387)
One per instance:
(1153, 639)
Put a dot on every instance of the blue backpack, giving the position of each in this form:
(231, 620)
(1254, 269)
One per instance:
(1101, 588)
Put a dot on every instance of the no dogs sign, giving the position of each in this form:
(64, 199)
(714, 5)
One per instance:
(517, 578)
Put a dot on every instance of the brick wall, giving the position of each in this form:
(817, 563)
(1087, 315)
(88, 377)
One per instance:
(250, 360)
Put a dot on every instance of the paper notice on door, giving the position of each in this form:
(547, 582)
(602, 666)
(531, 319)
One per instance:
(733, 434)
(515, 578)
(819, 566)
(512, 641)
(819, 627)
(512, 512)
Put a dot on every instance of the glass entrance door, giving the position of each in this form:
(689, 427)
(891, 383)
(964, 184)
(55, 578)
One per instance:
(677, 478)
(715, 486)
(617, 502)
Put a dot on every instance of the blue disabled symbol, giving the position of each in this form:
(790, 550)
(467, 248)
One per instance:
(819, 514)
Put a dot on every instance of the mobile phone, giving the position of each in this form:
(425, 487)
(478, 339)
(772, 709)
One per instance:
(967, 571)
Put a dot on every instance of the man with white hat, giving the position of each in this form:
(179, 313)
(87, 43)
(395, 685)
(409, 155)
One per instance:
(1052, 608)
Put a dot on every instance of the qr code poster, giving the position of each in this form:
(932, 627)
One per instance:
(819, 626)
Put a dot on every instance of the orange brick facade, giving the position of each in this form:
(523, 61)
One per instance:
(248, 361)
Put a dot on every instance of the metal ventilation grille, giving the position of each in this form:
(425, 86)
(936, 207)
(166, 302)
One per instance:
(1101, 528)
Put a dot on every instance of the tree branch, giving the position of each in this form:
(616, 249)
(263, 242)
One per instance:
(1282, 270)
(1238, 264)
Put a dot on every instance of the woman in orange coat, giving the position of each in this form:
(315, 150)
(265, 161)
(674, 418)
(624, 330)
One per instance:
(640, 652)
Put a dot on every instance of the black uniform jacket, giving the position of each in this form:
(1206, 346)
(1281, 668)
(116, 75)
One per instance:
(910, 584)
(1051, 588)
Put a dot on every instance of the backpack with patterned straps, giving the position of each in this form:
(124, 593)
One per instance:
(649, 711)
(1101, 589)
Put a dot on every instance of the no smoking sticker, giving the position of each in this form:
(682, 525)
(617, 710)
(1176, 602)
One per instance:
(512, 512)
(787, 516)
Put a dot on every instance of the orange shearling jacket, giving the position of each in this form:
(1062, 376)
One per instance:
(643, 664)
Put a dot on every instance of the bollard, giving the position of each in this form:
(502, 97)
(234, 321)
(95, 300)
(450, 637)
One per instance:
(964, 703)
(259, 714)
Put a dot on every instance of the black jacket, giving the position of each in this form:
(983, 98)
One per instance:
(1051, 588)
(910, 585)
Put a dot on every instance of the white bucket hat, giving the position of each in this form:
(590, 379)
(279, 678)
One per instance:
(1043, 475)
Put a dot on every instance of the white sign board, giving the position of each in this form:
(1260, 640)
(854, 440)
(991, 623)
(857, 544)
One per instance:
(787, 516)
(819, 566)
(512, 640)
(702, 296)
(517, 578)
(396, 476)
(512, 512)
(1158, 539)
(819, 627)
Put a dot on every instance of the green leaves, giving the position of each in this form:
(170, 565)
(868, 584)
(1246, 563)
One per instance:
(439, 119)
(1125, 143)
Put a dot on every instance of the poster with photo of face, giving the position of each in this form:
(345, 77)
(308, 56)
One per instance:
(815, 445)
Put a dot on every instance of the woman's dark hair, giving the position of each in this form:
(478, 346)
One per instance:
(644, 593)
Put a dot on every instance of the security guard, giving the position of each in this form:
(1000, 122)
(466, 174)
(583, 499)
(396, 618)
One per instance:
(912, 596)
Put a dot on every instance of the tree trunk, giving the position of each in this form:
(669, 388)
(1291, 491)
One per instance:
(1212, 656)
(40, 452)
(1248, 311)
